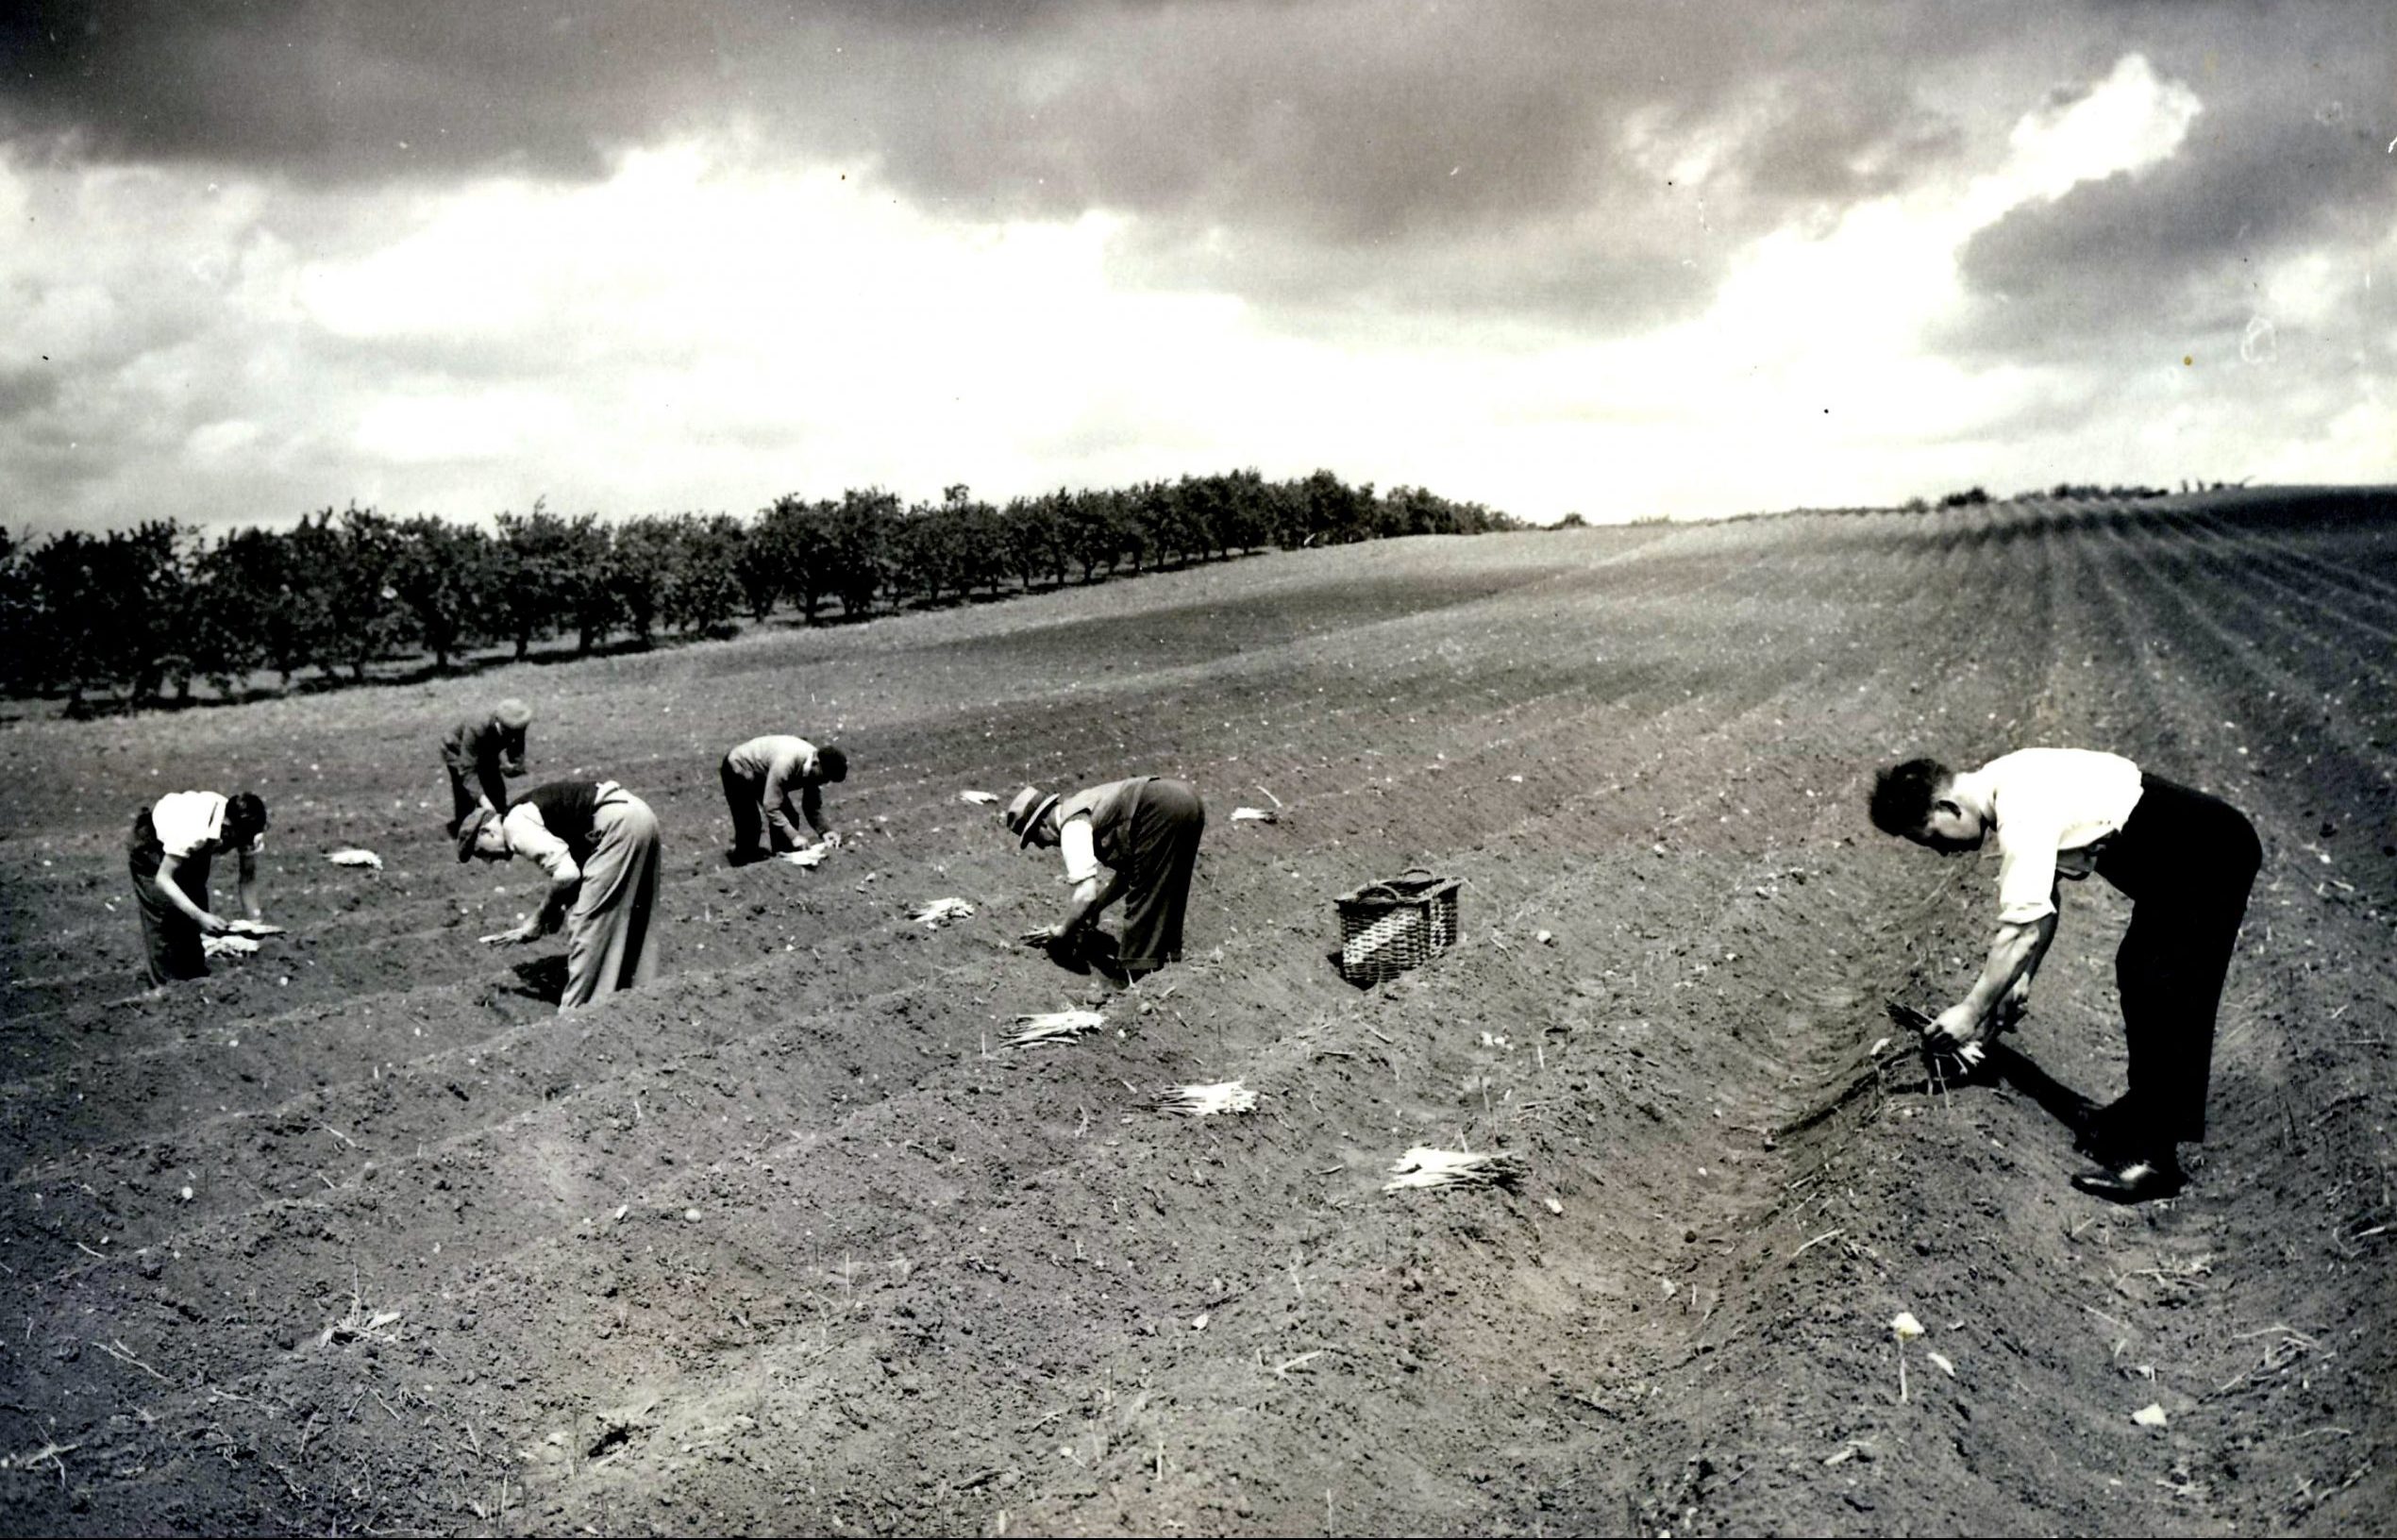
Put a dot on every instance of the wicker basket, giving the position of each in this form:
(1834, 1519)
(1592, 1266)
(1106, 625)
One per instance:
(1387, 928)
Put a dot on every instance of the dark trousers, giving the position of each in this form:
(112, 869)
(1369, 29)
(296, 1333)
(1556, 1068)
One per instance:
(744, 796)
(1159, 851)
(2187, 860)
(464, 798)
(170, 940)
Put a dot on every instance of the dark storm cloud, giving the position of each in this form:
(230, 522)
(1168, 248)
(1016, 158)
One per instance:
(2289, 153)
(1460, 158)
(26, 391)
(1353, 134)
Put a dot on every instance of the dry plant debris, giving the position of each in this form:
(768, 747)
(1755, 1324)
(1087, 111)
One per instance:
(1425, 1166)
(358, 1323)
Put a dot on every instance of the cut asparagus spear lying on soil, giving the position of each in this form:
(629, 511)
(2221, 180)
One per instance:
(940, 911)
(1205, 1100)
(357, 858)
(1424, 1166)
(1053, 1026)
(1255, 815)
(980, 799)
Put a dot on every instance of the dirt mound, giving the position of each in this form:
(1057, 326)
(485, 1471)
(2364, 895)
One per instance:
(358, 1233)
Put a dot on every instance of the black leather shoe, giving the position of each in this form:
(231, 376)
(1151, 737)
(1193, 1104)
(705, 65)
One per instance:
(2137, 1181)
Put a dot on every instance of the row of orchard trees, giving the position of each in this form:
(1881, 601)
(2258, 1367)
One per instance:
(144, 614)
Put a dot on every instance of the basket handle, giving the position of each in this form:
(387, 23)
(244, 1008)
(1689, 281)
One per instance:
(1381, 889)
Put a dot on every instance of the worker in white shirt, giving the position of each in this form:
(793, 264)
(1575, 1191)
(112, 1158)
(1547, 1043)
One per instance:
(1136, 840)
(760, 776)
(599, 845)
(172, 844)
(2185, 859)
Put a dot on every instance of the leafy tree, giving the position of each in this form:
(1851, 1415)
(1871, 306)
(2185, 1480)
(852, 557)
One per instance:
(853, 544)
(925, 556)
(1032, 534)
(68, 575)
(706, 592)
(555, 573)
(774, 560)
(271, 614)
(448, 575)
(1332, 512)
(20, 617)
(369, 619)
(640, 572)
(1098, 531)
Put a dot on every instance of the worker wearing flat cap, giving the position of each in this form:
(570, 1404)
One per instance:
(479, 754)
(599, 845)
(1136, 840)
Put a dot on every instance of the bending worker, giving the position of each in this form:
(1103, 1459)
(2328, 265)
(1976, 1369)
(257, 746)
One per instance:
(173, 842)
(2187, 860)
(599, 845)
(479, 753)
(759, 778)
(1144, 834)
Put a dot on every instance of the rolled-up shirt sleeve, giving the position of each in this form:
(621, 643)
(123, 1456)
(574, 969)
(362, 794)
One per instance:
(529, 837)
(2026, 878)
(1079, 849)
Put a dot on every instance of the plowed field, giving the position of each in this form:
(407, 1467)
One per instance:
(359, 1234)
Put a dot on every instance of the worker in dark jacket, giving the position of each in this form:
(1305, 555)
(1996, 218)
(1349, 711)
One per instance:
(1136, 840)
(599, 845)
(479, 753)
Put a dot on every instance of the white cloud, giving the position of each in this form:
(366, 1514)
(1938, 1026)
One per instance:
(712, 325)
(2129, 121)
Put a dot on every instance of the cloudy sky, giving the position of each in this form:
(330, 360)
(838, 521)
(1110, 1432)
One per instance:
(1626, 260)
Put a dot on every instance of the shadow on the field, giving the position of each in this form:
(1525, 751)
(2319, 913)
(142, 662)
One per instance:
(2006, 1065)
(544, 979)
(1360, 985)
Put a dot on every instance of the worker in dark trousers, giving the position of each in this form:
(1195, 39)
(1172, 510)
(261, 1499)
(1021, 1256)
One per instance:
(479, 754)
(1136, 840)
(759, 778)
(2186, 861)
(172, 844)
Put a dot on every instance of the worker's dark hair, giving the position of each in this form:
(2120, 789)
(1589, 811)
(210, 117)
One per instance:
(245, 815)
(834, 764)
(1903, 794)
